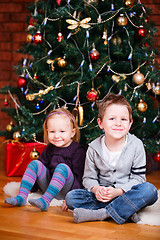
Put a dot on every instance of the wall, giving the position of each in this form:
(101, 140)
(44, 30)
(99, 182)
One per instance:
(13, 33)
(155, 17)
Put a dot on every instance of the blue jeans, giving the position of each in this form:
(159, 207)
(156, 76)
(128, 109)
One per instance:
(120, 208)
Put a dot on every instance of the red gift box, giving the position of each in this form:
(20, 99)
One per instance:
(18, 157)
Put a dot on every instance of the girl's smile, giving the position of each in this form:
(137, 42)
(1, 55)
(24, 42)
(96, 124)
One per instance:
(60, 130)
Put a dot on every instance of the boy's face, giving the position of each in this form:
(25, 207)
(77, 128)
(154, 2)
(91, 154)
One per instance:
(115, 122)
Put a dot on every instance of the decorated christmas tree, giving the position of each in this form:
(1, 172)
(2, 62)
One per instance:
(76, 52)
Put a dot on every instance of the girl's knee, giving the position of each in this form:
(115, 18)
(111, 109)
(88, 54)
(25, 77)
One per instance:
(35, 165)
(63, 166)
(64, 170)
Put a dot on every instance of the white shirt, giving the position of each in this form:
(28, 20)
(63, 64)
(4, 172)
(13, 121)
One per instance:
(111, 156)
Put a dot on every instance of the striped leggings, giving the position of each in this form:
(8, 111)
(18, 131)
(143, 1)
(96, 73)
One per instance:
(60, 183)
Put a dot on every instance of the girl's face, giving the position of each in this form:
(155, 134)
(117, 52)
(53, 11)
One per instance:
(60, 130)
(116, 122)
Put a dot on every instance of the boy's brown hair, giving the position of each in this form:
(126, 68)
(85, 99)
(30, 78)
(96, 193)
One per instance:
(63, 112)
(109, 99)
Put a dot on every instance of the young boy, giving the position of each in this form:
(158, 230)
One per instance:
(114, 175)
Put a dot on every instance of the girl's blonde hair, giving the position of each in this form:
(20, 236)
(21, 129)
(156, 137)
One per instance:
(62, 111)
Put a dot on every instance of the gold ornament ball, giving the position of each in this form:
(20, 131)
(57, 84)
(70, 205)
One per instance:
(16, 135)
(62, 62)
(138, 78)
(9, 127)
(29, 38)
(116, 40)
(122, 20)
(156, 90)
(129, 3)
(34, 154)
(142, 106)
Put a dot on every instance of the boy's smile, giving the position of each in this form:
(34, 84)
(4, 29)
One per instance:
(115, 122)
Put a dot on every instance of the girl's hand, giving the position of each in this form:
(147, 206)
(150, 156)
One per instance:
(64, 206)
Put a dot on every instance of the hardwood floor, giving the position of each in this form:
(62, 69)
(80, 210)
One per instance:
(17, 223)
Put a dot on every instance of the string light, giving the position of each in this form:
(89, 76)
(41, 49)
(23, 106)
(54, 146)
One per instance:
(82, 63)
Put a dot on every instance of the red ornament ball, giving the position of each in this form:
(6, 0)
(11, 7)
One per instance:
(92, 95)
(94, 54)
(141, 32)
(32, 21)
(147, 19)
(6, 103)
(146, 45)
(35, 76)
(21, 82)
(156, 157)
(37, 39)
(58, 2)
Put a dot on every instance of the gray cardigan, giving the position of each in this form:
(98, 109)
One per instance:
(129, 170)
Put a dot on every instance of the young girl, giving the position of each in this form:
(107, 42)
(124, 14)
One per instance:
(114, 174)
(60, 166)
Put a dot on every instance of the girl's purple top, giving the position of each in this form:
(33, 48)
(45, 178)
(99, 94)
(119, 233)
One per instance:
(73, 156)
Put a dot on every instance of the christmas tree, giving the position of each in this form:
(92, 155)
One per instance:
(77, 51)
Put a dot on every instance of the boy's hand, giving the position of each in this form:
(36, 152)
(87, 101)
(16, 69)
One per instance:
(106, 194)
(101, 194)
(113, 193)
